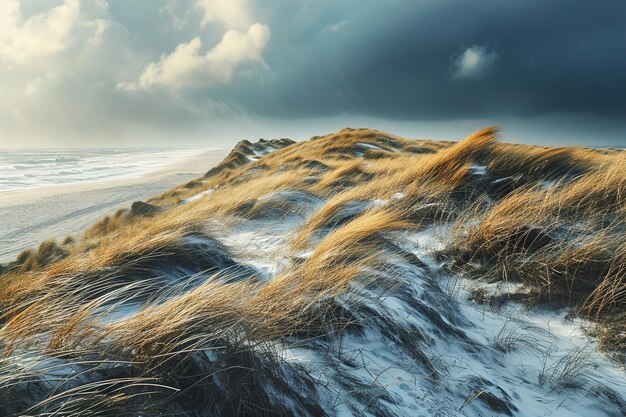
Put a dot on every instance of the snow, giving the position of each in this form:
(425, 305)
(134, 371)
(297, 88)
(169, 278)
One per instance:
(260, 248)
(424, 348)
(548, 184)
(198, 196)
(369, 145)
(539, 362)
(479, 169)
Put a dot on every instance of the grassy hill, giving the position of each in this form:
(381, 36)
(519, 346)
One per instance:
(356, 273)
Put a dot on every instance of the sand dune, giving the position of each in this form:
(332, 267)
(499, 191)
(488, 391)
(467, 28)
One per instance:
(354, 274)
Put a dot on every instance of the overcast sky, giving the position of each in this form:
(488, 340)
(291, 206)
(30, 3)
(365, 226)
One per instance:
(209, 72)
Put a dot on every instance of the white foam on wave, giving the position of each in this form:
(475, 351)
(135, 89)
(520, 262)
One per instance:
(26, 169)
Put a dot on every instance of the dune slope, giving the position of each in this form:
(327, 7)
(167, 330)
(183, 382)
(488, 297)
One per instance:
(353, 274)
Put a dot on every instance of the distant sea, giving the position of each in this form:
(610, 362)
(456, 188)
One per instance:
(32, 168)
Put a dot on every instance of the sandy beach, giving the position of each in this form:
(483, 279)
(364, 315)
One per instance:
(27, 217)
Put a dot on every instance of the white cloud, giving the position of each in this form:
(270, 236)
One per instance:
(41, 49)
(474, 63)
(34, 86)
(335, 27)
(61, 60)
(186, 66)
(236, 14)
(43, 34)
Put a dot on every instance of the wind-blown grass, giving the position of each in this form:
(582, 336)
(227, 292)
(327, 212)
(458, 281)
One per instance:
(152, 314)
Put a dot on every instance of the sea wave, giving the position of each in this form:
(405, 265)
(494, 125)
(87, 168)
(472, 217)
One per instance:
(34, 168)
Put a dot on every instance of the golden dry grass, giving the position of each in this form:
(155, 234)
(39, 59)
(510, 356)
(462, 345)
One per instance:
(539, 163)
(566, 241)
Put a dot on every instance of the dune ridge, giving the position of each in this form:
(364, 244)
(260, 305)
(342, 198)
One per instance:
(357, 273)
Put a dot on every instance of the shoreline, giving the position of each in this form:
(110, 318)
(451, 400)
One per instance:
(195, 164)
(30, 216)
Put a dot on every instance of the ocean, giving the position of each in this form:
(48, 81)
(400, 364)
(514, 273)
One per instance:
(33, 168)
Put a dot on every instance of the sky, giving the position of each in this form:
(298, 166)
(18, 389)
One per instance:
(211, 72)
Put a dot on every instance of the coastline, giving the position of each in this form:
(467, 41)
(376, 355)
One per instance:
(30, 216)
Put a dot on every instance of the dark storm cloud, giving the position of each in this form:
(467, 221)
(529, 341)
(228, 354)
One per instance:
(96, 71)
(396, 59)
